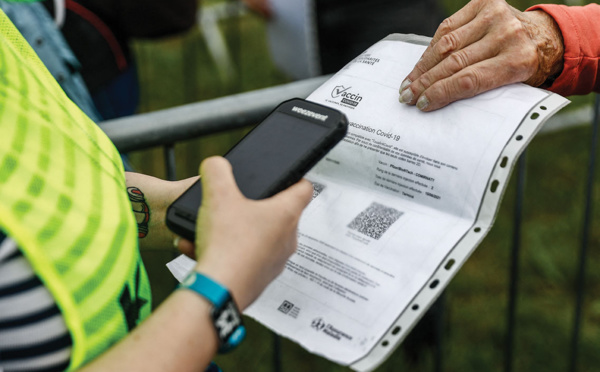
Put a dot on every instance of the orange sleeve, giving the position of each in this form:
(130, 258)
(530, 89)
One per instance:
(580, 27)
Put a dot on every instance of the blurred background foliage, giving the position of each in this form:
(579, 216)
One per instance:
(179, 70)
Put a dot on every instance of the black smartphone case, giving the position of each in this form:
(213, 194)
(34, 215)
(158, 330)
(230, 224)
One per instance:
(182, 214)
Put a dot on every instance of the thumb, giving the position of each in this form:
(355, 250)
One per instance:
(217, 179)
(296, 197)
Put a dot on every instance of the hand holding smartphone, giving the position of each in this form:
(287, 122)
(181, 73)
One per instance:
(274, 155)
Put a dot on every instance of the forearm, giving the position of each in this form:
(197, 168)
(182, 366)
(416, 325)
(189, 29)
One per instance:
(243, 246)
(178, 337)
(150, 197)
(581, 34)
(547, 37)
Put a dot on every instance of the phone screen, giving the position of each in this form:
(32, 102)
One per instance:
(272, 149)
(276, 153)
(267, 152)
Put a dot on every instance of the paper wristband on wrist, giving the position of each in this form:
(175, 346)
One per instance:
(225, 315)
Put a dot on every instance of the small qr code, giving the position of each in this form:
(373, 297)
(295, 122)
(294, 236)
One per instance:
(375, 220)
(317, 188)
(285, 307)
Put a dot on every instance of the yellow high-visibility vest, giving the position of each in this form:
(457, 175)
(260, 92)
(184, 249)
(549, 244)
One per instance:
(63, 199)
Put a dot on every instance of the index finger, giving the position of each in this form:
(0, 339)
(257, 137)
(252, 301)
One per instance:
(468, 82)
(434, 52)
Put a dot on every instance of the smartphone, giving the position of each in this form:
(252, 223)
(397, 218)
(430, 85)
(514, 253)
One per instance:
(274, 155)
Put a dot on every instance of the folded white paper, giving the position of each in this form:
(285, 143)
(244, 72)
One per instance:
(398, 206)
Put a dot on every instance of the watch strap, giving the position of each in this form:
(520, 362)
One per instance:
(225, 315)
(214, 292)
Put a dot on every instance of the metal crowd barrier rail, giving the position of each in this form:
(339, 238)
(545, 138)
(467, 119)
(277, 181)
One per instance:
(166, 127)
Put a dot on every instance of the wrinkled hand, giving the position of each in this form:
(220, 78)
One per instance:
(484, 45)
(243, 243)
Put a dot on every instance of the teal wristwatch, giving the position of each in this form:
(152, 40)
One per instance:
(225, 314)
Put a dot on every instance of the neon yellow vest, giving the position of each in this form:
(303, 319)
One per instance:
(63, 200)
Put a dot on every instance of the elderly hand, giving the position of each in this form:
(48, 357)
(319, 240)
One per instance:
(484, 45)
(242, 243)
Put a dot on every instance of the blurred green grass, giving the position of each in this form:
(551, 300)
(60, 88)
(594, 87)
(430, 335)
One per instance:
(178, 70)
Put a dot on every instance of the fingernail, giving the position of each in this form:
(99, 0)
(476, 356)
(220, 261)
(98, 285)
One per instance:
(176, 242)
(422, 102)
(405, 83)
(406, 96)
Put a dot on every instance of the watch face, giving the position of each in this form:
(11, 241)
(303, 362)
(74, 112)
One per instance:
(227, 319)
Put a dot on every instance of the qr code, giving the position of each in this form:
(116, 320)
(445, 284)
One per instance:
(317, 188)
(375, 220)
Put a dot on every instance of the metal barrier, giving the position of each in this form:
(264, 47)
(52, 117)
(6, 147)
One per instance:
(166, 127)
(176, 124)
(585, 237)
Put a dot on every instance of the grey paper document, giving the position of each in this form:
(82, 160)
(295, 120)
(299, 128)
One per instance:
(398, 207)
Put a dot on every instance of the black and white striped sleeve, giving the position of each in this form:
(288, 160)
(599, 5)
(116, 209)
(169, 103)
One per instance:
(33, 334)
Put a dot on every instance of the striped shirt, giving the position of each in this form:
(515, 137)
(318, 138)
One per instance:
(33, 334)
